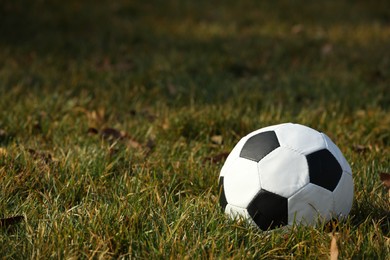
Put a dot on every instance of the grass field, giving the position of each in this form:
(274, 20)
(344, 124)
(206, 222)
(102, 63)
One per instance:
(112, 116)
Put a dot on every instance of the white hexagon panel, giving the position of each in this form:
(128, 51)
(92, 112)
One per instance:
(283, 172)
(242, 181)
(310, 203)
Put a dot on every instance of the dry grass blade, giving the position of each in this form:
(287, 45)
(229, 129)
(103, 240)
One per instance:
(3, 151)
(6, 222)
(385, 178)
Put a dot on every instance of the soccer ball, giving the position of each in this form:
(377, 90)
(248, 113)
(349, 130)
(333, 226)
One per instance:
(285, 174)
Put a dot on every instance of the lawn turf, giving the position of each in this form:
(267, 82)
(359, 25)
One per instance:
(108, 112)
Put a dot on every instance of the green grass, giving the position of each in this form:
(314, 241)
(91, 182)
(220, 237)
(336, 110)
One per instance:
(172, 74)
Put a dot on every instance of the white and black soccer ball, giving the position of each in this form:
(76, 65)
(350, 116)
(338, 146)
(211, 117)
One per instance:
(286, 173)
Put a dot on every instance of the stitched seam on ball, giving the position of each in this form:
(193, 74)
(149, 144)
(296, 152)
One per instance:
(235, 160)
(293, 149)
(327, 147)
(349, 173)
(258, 169)
(231, 204)
(281, 126)
(326, 143)
(298, 190)
(307, 167)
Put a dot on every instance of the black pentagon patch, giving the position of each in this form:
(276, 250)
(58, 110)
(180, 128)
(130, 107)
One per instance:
(268, 210)
(222, 197)
(324, 169)
(258, 146)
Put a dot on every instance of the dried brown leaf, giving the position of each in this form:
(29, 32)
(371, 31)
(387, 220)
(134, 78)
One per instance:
(172, 89)
(327, 49)
(6, 222)
(112, 151)
(216, 158)
(36, 126)
(111, 134)
(385, 178)
(124, 65)
(131, 143)
(107, 64)
(296, 29)
(133, 112)
(361, 148)
(151, 144)
(41, 155)
(149, 115)
(144, 113)
(217, 139)
(92, 131)
(3, 133)
(334, 250)
(104, 64)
